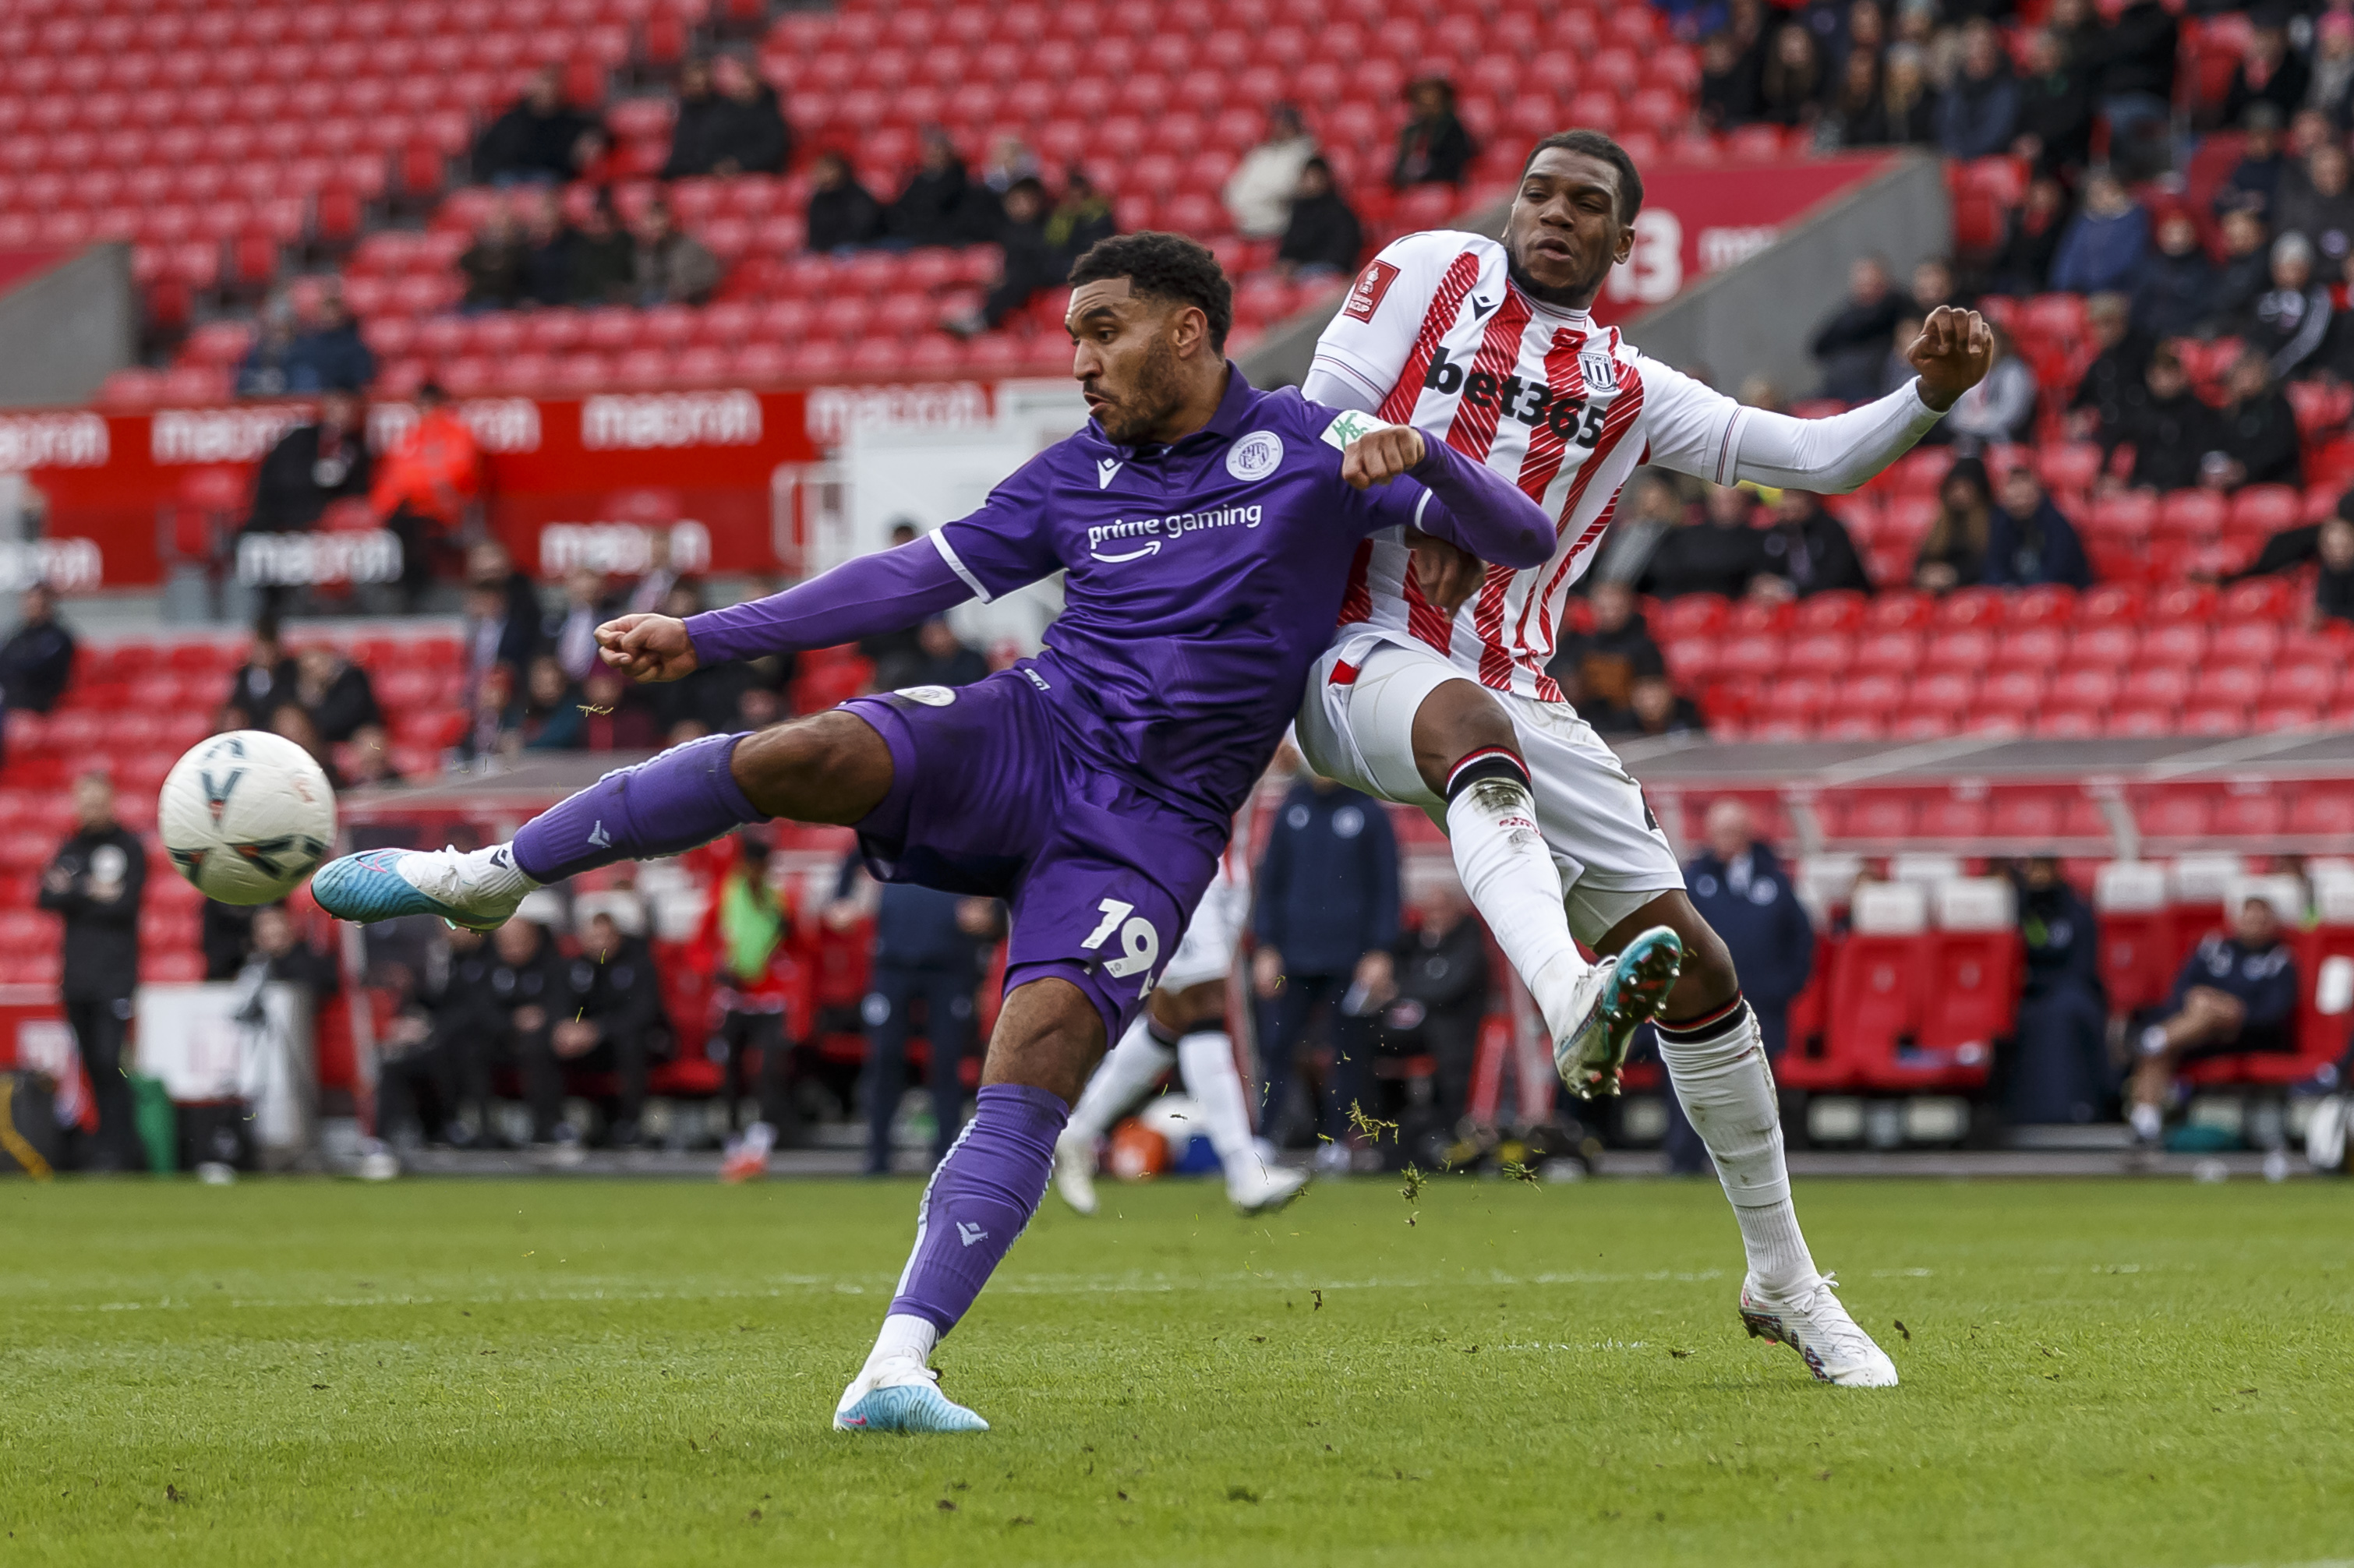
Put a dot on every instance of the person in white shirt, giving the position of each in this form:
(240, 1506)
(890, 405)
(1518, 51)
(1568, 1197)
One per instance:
(1258, 193)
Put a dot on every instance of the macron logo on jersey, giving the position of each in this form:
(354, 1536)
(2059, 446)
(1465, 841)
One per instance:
(1106, 470)
(1365, 297)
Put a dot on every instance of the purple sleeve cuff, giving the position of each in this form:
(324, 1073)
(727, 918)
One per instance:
(858, 598)
(1480, 510)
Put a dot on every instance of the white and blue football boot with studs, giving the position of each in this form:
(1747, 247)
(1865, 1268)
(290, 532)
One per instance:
(1614, 999)
(1811, 1321)
(479, 889)
(901, 1394)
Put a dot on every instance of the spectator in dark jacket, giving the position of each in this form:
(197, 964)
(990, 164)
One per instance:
(2289, 322)
(1953, 553)
(2269, 73)
(695, 134)
(1855, 114)
(285, 958)
(603, 261)
(492, 265)
(938, 205)
(928, 947)
(1654, 708)
(265, 679)
(2317, 201)
(1433, 148)
(1596, 668)
(1081, 217)
(337, 692)
(2116, 382)
(530, 989)
(940, 658)
(1853, 345)
(1728, 84)
(1323, 236)
(329, 354)
(2135, 61)
(547, 249)
(1791, 87)
(2172, 429)
(1031, 263)
(36, 662)
(312, 465)
(842, 214)
(1809, 549)
(2254, 184)
(1749, 900)
(539, 140)
(1326, 917)
(2257, 428)
(1713, 551)
(426, 1059)
(2330, 84)
(2031, 239)
(670, 266)
(753, 136)
(2059, 1072)
(617, 1024)
(2235, 994)
(2030, 541)
(1908, 103)
(1441, 974)
(2245, 273)
(2177, 285)
(2106, 242)
(2054, 129)
(1978, 115)
(2333, 585)
(96, 881)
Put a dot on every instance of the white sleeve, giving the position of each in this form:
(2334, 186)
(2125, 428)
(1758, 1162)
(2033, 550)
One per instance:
(1363, 350)
(1688, 425)
(1830, 456)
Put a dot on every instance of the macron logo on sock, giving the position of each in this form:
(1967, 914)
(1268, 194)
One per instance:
(599, 837)
(970, 1233)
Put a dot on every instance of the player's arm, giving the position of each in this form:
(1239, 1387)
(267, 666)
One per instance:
(1835, 455)
(997, 549)
(1467, 504)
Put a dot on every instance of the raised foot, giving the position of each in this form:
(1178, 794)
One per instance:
(386, 883)
(1276, 1186)
(1074, 1171)
(1619, 996)
(1813, 1323)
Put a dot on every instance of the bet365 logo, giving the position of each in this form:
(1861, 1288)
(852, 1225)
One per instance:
(1573, 420)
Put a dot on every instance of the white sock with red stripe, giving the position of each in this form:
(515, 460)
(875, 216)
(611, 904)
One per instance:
(1124, 1077)
(1717, 1063)
(1510, 876)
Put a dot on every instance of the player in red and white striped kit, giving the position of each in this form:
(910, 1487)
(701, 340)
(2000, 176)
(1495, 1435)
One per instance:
(1488, 346)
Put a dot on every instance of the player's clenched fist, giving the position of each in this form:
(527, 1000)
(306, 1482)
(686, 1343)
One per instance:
(1953, 354)
(1379, 455)
(647, 647)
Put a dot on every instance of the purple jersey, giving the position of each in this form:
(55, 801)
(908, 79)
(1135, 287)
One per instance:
(1205, 579)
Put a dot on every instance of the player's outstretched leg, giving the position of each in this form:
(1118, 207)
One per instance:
(979, 1199)
(1206, 1057)
(1126, 1075)
(1715, 1058)
(831, 767)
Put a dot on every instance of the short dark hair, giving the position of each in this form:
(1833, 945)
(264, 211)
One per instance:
(1594, 144)
(1168, 267)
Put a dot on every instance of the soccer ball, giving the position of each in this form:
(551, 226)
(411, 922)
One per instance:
(246, 816)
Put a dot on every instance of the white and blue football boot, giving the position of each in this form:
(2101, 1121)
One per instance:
(1811, 1321)
(478, 889)
(901, 1394)
(1613, 999)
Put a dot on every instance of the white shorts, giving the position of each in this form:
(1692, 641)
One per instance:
(1212, 937)
(1613, 857)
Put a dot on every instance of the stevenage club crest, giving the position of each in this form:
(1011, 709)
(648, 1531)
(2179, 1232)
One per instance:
(1255, 455)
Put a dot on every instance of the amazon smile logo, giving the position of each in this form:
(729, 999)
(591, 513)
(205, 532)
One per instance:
(1142, 536)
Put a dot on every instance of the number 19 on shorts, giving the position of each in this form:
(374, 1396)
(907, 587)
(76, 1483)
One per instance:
(1139, 944)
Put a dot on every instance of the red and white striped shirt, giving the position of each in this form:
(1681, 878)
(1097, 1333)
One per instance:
(1434, 335)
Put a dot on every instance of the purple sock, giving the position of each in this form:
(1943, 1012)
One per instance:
(684, 798)
(978, 1199)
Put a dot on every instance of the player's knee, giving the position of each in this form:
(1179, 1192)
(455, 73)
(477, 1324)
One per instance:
(813, 769)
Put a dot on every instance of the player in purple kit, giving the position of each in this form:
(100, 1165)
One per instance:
(1207, 530)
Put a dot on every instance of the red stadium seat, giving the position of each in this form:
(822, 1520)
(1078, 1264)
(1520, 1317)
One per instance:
(1876, 692)
(1970, 649)
(1692, 614)
(1840, 609)
(1902, 610)
(1824, 653)
(2179, 643)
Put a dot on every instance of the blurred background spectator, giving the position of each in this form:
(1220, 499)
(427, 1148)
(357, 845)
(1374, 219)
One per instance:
(670, 267)
(2106, 243)
(1712, 550)
(1258, 195)
(1853, 345)
(1322, 237)
(842, 214)
(424, 487)
(1954, 552)
(1441, 976)
(1325, 920)
(928, 947)
(266, 679)
(96, 883)
(2237, 992)
(2060, 1070)
(742, 946)
(318, 462)
(617, 1025)
(2030, 541)
(541, 139)
(335, 693)
(1434, 149)
(37, 660)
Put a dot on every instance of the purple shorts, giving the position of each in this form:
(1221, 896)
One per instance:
(989, 797)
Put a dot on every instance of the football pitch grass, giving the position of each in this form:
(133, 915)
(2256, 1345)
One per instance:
(591, 1371)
